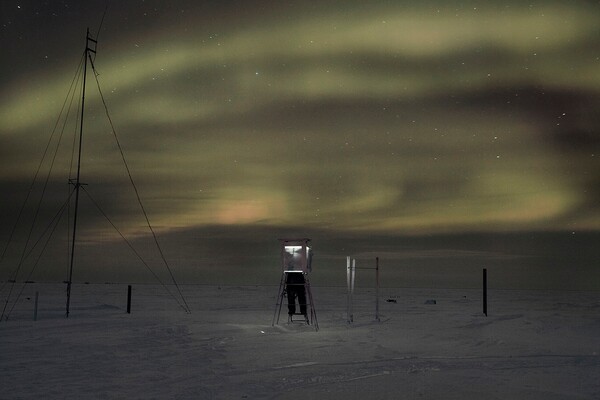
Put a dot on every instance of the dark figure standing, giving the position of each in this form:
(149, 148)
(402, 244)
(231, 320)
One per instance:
(295, 288)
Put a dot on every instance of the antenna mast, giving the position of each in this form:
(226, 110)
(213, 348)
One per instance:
(89, 43)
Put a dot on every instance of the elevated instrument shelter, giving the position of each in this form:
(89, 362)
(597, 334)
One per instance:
(296, 264)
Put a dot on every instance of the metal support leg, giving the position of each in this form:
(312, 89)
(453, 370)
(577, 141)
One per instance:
(280, 295)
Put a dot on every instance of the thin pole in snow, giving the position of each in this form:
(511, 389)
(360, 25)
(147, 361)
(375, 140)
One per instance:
(377, 288)
(128, 299)
(485, 291)
(35, 307)
(352, 290)
(349, 295)
(350, 273)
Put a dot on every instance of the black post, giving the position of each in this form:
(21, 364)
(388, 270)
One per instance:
(128, 299)
(485, 292)
(377, 288)
(35, 308)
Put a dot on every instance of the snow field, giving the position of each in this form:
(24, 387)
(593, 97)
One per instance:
(533, 345)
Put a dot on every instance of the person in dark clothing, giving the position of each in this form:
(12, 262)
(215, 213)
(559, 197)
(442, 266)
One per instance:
(295, 289)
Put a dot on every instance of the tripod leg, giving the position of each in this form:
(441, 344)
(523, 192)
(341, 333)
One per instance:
(280, 297)
(313, 312)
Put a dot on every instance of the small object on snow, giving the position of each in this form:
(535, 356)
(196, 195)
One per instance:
(391, 300)
(432, 301)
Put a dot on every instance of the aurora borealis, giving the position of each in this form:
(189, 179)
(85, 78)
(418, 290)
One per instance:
(361, 118)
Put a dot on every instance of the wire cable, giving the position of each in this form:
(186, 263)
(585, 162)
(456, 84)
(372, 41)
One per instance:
(186, 306)
(70, 93)
(51, 227)
(130, 245)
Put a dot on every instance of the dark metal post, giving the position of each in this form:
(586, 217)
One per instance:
(377, 288)
(485, 291)
(35, 309)
(128, 299)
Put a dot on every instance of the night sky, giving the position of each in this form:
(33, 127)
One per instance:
(435, 134)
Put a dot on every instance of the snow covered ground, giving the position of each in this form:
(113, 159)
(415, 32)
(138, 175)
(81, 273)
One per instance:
(533, 345)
